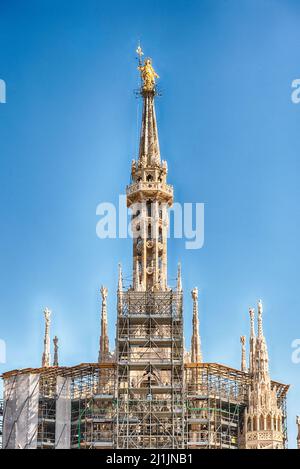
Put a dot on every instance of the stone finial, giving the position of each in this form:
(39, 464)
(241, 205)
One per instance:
(195, 294)
(298, 436)
(196, 354)
(104, 293)
(179, 281)
(55, 358)
(259, 318)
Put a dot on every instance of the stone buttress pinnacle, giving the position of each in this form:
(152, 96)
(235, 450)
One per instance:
(149, 196)
(104, 341)
(46, 359)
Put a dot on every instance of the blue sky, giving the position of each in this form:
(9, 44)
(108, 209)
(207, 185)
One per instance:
(229, 132)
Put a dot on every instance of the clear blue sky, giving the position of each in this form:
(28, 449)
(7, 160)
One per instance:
(230, 134)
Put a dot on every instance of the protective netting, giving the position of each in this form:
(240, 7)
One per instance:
(63, 413)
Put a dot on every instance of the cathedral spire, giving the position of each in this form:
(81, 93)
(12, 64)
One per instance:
(196, 355)
(46, 359)
(55, 357)
(243, 358)
(104, 342)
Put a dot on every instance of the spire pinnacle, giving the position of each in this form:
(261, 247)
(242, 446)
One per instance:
(196, 355)
(179, 281)
(298, 436)
(137, 276)
(120, 279)
(55, 358)
(46, 359)
(148, 74)
(243, 359)
(252, 317)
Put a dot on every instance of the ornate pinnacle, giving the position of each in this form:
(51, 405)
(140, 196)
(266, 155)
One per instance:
(148, 73)
(179, 281)
(252, 315)
(120, 280)
(196, 354)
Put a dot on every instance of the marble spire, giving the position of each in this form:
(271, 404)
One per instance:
(46, 359)
(196, 355)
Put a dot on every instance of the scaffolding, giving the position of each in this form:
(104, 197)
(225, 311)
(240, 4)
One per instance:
(150, 373)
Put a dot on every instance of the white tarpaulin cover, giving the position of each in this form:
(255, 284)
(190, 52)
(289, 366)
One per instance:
(63, 414)
(20, 419)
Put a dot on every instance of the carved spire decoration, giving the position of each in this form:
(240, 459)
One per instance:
(263, 415)
(179, 280)
(148, 74)
(196, 355)
(55, 357)
(104, 341)
(149, 196)
(243, 359)
(137, 276)
(46, 359)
